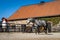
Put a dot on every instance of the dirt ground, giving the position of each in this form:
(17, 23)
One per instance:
(29, 36)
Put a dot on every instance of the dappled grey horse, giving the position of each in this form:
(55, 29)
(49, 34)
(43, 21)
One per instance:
(37, 23)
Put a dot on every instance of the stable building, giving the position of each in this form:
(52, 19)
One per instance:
(44, 9)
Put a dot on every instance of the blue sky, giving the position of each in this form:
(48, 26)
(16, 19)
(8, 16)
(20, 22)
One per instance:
(8, 7)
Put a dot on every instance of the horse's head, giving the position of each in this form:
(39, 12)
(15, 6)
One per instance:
(30, 20)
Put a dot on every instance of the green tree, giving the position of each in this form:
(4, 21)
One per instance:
(55, 20)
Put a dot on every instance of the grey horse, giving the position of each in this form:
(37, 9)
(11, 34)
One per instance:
(37, 23)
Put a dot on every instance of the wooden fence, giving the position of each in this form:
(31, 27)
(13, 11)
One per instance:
(11, 27)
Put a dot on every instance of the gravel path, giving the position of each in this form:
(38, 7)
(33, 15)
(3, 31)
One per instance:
(29, 36)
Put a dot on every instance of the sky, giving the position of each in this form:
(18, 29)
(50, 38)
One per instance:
(8, 7)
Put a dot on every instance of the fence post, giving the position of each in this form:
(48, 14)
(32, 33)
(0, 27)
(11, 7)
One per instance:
(23, 27)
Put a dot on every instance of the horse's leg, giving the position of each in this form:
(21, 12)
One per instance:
(45, 27)
(38, 29)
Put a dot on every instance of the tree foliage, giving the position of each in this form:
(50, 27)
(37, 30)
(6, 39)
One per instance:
(55, 20)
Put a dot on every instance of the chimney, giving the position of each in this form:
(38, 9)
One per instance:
(42, 2)
(56, 0)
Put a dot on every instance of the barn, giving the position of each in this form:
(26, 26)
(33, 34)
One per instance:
(41, 10)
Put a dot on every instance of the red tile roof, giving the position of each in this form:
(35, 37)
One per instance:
(37, 10)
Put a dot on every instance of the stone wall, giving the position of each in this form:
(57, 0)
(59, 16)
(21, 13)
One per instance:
(56, 27)
(19, 22)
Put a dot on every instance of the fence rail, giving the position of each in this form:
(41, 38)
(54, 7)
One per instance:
(11, 27)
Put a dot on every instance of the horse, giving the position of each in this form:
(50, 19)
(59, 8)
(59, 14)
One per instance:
(37, 24)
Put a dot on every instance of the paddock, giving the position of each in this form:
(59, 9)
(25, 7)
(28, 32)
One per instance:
(29, 36)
